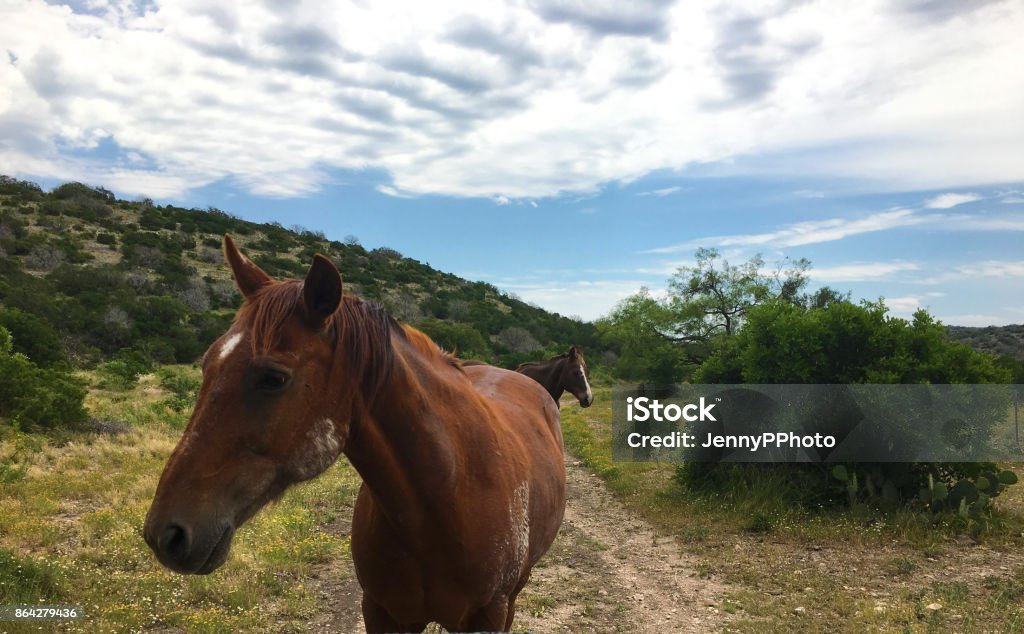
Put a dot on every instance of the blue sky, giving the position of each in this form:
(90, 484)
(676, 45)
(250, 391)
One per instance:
(567, 152)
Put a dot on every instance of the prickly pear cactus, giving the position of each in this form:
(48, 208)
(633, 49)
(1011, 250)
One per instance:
(966, 489)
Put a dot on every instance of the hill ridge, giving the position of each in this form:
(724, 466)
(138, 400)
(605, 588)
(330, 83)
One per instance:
(105, 273)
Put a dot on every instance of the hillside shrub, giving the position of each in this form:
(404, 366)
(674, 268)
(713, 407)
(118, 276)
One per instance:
(123, 371)
(22, 190)
(183, 384)
(461, 339)
(31, 396)
(846, 343)
(33, 337)
(73, 190)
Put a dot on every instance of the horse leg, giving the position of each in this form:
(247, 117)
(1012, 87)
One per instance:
(493, 617)
(512, 603)
(511, 612)
(378, 621)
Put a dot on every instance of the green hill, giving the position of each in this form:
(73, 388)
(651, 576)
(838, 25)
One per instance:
(98, 275)
(999, 340)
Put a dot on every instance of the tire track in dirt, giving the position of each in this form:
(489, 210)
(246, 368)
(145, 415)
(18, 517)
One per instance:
(607, 571)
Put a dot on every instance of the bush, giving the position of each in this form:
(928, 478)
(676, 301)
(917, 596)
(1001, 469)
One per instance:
(461, 339)
(846, 343)
(34, 396)
(73, 190)
(123, 371)
(33, 337)
(183, 384)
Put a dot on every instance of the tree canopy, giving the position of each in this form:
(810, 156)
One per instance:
(661, 339)
(784, 342)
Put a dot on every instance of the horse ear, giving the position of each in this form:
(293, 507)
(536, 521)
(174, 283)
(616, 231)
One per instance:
(249, 277)
(573, 352)
(321, 292)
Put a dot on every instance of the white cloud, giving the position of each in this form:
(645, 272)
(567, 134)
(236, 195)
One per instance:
(808, 232)
(522, 100)
(903, 306)
(982, 271)
(946, 201)
(994, 269)
(661, 192)
(985, 223)
(861, 272)
(588, 299)
(391, 191)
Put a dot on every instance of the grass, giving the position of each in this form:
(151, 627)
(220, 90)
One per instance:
(803, 569)
(70, 532)
(72, 507)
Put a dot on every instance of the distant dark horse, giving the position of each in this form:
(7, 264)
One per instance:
(463, 476)
(565, 373)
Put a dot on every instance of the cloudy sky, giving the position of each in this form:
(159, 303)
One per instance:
(568, 151)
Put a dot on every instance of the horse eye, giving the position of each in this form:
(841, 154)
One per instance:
(271, 380)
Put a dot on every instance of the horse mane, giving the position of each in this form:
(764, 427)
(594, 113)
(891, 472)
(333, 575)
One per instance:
(564, 355)
(361, 328)
(428, 347)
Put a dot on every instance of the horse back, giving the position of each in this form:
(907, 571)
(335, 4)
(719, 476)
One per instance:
(518, 398)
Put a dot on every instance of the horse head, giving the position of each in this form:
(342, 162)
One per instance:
(264, 417)
(576, 377)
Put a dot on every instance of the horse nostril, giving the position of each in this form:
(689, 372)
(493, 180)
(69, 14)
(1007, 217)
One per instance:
(174, 541)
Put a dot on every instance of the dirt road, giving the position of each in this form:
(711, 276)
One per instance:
(606, 572)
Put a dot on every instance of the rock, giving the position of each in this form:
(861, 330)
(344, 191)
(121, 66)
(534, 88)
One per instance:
(800, 611)
(934, 607)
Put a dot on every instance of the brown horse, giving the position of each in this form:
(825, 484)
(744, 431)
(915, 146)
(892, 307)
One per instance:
(463, 477)
(567, 372)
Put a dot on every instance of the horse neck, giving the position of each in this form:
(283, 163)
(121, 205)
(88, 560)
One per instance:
(400, 444)
(549, 374)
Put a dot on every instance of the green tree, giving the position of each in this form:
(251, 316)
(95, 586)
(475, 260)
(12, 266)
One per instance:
(845, 343)
(713, 297)
(634, 329)
(659, 340)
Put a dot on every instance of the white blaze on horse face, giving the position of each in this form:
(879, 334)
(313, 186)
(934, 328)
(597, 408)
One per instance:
(228, 346)
(586, 383)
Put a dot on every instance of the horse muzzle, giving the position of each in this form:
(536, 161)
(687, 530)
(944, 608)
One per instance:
(586, 399)
(187, 550)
